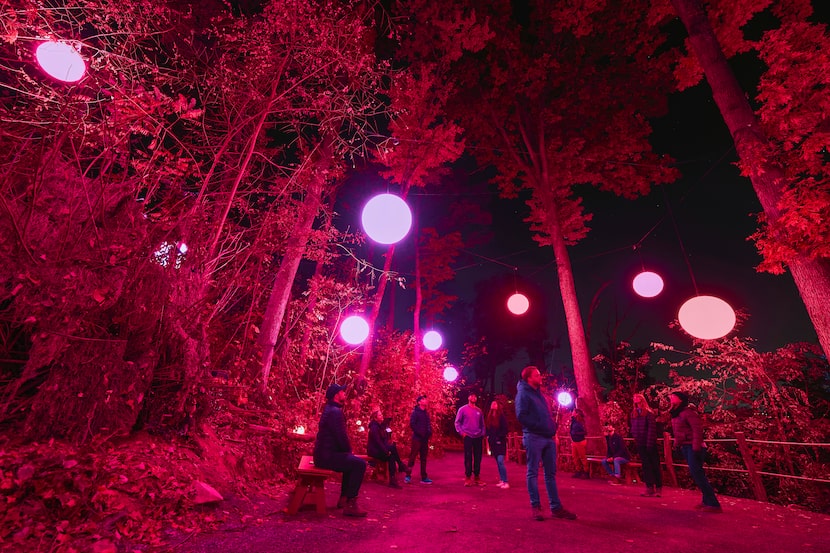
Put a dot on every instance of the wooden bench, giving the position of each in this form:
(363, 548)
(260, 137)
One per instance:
(310, 486)
(630, 470)
(378, 469)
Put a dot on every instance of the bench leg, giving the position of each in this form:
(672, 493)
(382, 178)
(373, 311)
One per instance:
(311, 489)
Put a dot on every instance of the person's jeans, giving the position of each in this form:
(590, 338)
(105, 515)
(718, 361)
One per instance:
(696, 470)
(618, 463)
(419, 448)
(652, 475)
(472, 456)
(352, 467)
(579, 450)
(541, 449)
(502, 468)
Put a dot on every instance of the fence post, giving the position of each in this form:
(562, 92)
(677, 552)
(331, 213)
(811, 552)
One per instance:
(754, 477)
(667, 449)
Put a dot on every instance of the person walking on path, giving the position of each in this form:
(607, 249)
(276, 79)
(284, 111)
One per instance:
(381, 447)
(579, 444)
(421, 432)
(688, 438)
(496, 424)
(469, 423)
(644, 432)
(538, 431)
(616, 455)
(333, 451)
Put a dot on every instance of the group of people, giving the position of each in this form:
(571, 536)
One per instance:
(332, 449)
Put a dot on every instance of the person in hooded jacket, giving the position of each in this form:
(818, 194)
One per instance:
(688, 439)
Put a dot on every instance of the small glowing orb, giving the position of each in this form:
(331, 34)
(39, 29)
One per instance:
(450, 373)
(706, 317)
(61, 61)
(299, 430)
(386, 219)
(518, 304)
(182, 248)
(564, 398)
(432, 340)
(354, 330)
(648, 284)
(359, 423)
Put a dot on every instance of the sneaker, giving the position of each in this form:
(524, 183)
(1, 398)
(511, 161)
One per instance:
(648, 493)
(614, 481)
(537, 513)
(504, 485)
(352, 510)
(394, 484)
(426, 481)
(561, 512)
(479, 483)
(468, 482)
(408, 479)
(711, 509)
(658, 492)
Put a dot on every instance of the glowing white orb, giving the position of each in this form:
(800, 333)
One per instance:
(706, 317)
(648, 284)
(432, 340)
(354, 330)
(564, 398)
(61, 61)
(450, 373)
(386, 219)
(518, 304)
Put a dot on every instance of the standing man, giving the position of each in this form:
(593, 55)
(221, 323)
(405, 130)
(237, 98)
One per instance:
(421, 432)
(644, 432)
(469, 422)
(688, 438)
(332, 451)
(538, 431)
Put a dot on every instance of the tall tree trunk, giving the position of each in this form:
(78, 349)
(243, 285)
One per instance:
(416, 317)
(366, 359)
(811, 276)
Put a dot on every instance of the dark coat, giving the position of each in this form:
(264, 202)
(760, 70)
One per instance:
(331, 435)
(615, 447)
(577, 430)
(379, 442)
(497, 437)
(420, 424)
(533, 411)
(687, 428)
(644, 428)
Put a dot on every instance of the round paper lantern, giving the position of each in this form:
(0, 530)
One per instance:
(564, 398)
(648, 284)
(354, 330)
(450, 373)
(432, 340)
(60, 61)
(518, 304)
(386, 219)
(706, 317)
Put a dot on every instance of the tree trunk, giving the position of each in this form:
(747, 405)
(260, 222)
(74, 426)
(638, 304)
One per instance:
(811, 276)
(416, 317)
(366, 359)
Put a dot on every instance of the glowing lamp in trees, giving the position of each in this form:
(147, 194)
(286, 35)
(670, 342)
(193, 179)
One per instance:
(518, 304)
(432, 340)
(386, 219)
(450, 373)
(564, 398)
(60, 61)
(354, 330)
(648, 284)
(706, 317)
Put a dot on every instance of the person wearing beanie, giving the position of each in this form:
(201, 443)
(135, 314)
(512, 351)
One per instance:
(688, 439)
(333, 451)
(421, 432)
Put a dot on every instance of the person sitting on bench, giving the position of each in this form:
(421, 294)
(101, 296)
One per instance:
(616, 455)
(381, 447)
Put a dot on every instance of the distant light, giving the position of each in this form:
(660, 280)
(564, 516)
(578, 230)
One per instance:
(182, 248)
(518, 304)
(299, 430)
(706, 317)
(648, 284)
(386, 219)
(450, 373)
(564, 398)
(359, 423)
(432, 340)
(60, 61)
(354, 330)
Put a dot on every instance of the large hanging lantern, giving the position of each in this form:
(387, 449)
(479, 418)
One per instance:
(386, 219)
(706, 317)
(60, 61)
(564, 398)
(432, 340)
(354, 330)
(518, 304)
(450, 373)
(648, 284)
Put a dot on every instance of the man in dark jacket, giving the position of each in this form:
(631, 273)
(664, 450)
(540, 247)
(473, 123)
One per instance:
(616, 455)
(688, 438)
(538, 430)
(421, 432)
(333, 451)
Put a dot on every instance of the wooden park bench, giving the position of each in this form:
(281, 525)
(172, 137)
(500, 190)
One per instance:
(310, 486)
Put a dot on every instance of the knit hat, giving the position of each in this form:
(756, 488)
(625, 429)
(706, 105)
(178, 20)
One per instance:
(420, 397)
(333, 390)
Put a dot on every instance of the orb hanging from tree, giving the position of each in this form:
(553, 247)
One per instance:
(386, 219)
(432, 340)
(60, 61)
(354, 330)
(518, 304)
(648, 284)
(564, 398)
(706, 317)
(450, 373)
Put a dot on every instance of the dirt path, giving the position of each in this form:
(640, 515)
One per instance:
(447, 517)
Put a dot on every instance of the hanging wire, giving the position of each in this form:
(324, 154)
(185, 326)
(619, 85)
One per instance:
(680, 241)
